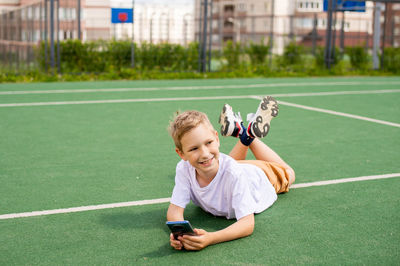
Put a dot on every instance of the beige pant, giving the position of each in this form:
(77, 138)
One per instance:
(275, 173)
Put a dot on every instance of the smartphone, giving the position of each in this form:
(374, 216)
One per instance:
(179, 228)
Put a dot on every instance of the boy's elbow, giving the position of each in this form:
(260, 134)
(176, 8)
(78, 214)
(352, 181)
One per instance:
(250, 226)
(251, 230)
(291, 175)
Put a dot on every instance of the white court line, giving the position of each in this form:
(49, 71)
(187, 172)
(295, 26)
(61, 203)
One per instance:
(345, 180)
(332, 93)
(307, 84)
(126, 101)
(340, 114)
(197, 98)
(164, 200)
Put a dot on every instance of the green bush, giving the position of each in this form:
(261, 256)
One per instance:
(191, 57)
(391, 60)
(292, 54)
(147, 56)
(76, 56)
(101, 56)
(359, 58)
(232, 53)
(170, 57)
(320, 57)
(257, 53)
(118, 54)
(111, 60)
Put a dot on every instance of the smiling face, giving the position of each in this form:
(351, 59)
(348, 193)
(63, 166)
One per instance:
(200, 146)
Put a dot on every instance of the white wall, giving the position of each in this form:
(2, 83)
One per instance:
(167, 20)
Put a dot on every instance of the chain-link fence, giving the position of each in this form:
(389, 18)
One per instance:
(23, 29)
(250, 22)
(48, 22)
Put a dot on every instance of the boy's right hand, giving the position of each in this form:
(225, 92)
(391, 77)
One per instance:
(176, 244)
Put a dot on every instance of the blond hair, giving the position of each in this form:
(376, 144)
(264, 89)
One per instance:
(184, 122)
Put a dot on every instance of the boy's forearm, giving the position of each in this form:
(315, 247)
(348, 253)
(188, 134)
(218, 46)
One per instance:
(242, 228)
(175, 213)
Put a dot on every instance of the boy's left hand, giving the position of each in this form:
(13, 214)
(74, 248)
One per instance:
(201, 240)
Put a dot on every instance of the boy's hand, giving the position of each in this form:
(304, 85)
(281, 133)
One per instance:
(176, 244)
(201, 240)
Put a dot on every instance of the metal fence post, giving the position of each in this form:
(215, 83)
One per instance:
(201, 35)
(204, 41)
(271, 33)
(314, 34)
(328, 47)
(334, 35)
(342, 34)
(52, 62)
(46, 27)
(58, 37)
(133, 37)
(384, 36)
(210, 35)
(377, 33)
(79, 19)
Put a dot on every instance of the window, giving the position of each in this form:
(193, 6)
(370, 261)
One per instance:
(38, 13)
(306, 22)
(215, 38)
(228, 38)
(242, 23)
(267, 7)
(308, 6)
(215, 10)
(228, 24)
(36, 35)
(29, 13)
(73, 15)
(267, 24)
(61, 13)
(229, 8)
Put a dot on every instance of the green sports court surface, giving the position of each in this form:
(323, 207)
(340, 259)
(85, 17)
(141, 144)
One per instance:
(86, 170)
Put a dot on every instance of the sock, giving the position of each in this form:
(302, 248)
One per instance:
(241, 129)
(245, 138)
(248, 131)
(237, 131)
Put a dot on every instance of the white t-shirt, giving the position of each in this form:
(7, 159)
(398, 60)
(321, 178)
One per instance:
(236, 191)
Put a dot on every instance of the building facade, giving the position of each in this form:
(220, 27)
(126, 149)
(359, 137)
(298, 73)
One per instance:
(284, 21)
(157, 23)
(153, 22)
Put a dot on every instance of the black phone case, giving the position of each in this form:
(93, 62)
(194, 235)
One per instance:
(180, 228)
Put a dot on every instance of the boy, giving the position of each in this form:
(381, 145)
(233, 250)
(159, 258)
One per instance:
(225, 185)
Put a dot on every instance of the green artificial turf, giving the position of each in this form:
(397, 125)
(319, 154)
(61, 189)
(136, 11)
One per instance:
(77, 155)
(352, 223)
